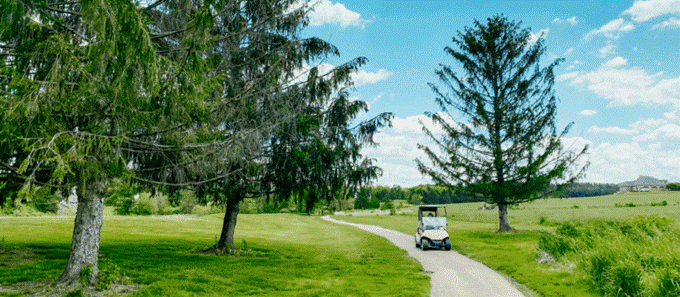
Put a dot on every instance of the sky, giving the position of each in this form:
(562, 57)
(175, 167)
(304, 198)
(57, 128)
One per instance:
(619, 82)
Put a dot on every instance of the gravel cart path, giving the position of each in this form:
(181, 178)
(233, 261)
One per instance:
(452, 273)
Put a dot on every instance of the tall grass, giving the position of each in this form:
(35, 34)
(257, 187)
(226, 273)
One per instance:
(629, 257)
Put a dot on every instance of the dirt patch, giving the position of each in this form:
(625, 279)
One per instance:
(49, 289)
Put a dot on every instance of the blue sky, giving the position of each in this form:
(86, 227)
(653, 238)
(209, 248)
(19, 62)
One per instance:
(619, 83)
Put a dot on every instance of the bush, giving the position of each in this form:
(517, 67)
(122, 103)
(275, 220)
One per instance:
(156, 205)
(45, 201)
(109, 273)
(673, 187)
(209, 209)
(117, 190)
(187, 201)
(145, 205)
(163, 204)
(663, 203)
(388, 205)
(124, 206)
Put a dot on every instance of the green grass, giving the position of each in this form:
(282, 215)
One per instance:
(282, 255)
(472, 234)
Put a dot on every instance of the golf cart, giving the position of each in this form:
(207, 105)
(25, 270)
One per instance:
(431, 232)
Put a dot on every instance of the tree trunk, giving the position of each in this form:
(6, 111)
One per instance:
(86, 235)
(229, 226)
(503, 225)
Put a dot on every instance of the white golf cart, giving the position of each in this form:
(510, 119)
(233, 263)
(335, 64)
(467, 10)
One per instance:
(431, 232)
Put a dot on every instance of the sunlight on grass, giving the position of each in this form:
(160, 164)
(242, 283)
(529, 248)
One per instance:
(283, 255)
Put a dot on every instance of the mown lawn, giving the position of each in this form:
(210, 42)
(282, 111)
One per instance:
(472, 234)
(281, 255)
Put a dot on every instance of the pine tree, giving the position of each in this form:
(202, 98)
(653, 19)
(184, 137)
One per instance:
(499, 138)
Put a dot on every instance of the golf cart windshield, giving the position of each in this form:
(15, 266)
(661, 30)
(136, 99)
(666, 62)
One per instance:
(430, 223)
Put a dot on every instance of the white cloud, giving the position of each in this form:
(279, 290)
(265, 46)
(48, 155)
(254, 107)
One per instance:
(610, 162)
(674, 114)
(669, 23)
(568, 51)
(611, 130)
(567, 76)
(399, 148)
(611, 29)
(619, 162)
(648, 124)
(666, 133)
(572, 21)
(362, 77)
(325, 12)
(653, 150)
(533, 37)
(588, 112)
(642, 11)
(615, 62)
(627, 86)
(607, 50)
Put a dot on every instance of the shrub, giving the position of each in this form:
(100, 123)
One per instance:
(673, 186)
(187, 201)
(45, 201)
(162, 204)
(145, 205)
(209, 209)
(387, 205)
(156, 205)
(119, 189)
(663, 203)
(109, 273)
(124, 206)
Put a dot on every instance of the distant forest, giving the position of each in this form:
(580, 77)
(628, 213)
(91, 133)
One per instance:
(371, 197)
(587, 190)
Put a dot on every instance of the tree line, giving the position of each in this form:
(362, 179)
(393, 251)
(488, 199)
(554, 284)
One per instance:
(587, 190)
(371, 197)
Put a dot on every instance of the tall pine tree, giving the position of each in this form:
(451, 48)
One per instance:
(499, 139)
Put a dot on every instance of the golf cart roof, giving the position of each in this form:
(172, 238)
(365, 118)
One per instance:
(431, 207)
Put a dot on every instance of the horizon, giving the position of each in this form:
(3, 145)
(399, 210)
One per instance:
(618, 83)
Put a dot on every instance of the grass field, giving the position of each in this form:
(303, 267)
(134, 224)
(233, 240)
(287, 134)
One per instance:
(282, 255)
(515, 255)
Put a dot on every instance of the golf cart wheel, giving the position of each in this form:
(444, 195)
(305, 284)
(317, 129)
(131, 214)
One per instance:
(447, 244)
(417, 245)
(423, 244)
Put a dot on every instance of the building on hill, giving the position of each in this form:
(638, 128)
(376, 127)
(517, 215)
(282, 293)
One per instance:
(643, 184)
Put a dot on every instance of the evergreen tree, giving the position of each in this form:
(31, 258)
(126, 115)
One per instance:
(81, 78)
(499, 135)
